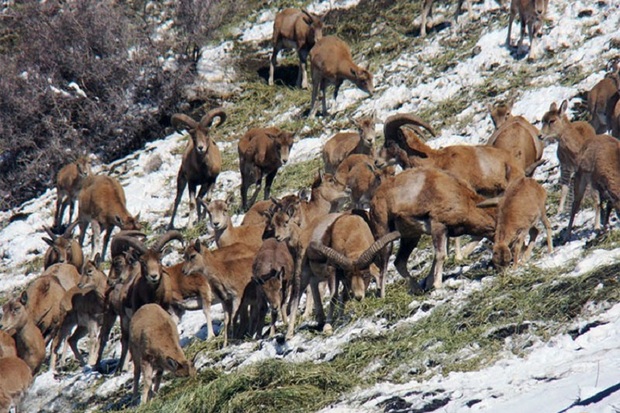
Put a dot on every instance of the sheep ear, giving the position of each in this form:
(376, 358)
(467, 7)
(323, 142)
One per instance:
(97, 260)
(354, 73)
(118, 220)
(197, 245)
(510, 103)
(230, 199)
(172, 364)
(23, 298)
(564, 106)
(553, 107)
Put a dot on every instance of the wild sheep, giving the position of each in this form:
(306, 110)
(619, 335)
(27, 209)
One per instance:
(262, 151)
(571, 137)
(82, 307)
(532, 16)
(362, 176)
(331, 63)
(226, 233)
(63, 249)
(273, 270)
(518, 211)
(15, 379)
(598, 167)
(392, 130)
(428, 201)
(155, 346)
(343, 144)
(103, 204)
(7, 345)
(68, 185)
(299, 30)
(602, 100)
(427, 11)
(259, 213)
(201, 162)
(228, 270)
(29, 342)
(348, 245)
(517, 136)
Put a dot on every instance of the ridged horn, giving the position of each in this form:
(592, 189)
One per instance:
(122, 242)
(117, 247)
(333, 256)
(367, 256)
(207, 119)
(166, 238)
(50, 233)
(394, 123)
(181, 121)
(68, 234)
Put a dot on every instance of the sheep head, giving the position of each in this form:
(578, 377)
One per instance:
(218, 211)
(283, 142)
(362, 78)
(501, 255)
(199, 131)
(60, 246)
(393, 132)
(92, 276)
(501, 113)
(316, 26)
(83, 166)
(366, 129)
(329, 188)
(14, 316)
(554, 121)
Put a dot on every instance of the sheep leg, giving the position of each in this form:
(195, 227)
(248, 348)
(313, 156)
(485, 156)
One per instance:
(273, 61)
(426, 11)
(324, 96)
(318, 304)
(530, 245)
(316, 84)
(268, 181)
(400, 262)
(300, 282)
(579, 188)
(56, 342)
(181, 184)
(336, 89)
(511, 19)
(192, 204)
(106, 241)
(530, 29)
(302, 76)
(60, 211)
(439, 235)
(94, 342)
(147, 381)
(547, 225)
(83, 227)
(109, 317)
(522, 36)
(597, 210)
(257, 187)
(71, 210)
(96, 239)
(137, 369)
(205, 303)
(124, 345)
(201, 208)
(80, 332)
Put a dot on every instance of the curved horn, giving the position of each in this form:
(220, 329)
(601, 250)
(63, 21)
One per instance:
(394, 122)
(333, 256)
(367, 256)
(49, 232)
(181, 121)
(117, 247)
(122, 242)
(166, 238)
(207, 119)
(69, 231)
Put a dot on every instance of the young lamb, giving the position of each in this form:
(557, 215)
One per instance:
(29, 342)
(15, 379)
(343, 144)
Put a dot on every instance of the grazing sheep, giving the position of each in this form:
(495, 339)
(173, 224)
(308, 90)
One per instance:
(331, 62)
(226, 233)
(63, 249)
(599, 167)
(343, 144)
(155, 346)
(68, 185)
(29, 342)
(299, 30)
(602, 100)
(103, 204)
(518, 211)
(15, 379)
(428, 201)
(262, 151)
(202, 161)
(517, 136)
(427, 11)
(532, 16)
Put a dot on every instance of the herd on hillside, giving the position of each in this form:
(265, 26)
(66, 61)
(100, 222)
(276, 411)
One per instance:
(300, 243)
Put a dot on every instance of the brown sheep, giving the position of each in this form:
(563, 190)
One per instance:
(29, 342)
(155, 346)
(392, 130)
(602, 100)
(202, 161)
(598, 167)
(259, 212)
(518, 211)
(331, 63)
(15, 379)
(517, 136)
(362, 176)
(103, 204)
(63, 249)
(68, 185)
(262, 151)
(226, 233)
(427, 11)
(428, 201)
(532, 16)
(343, 144)
(299, 30)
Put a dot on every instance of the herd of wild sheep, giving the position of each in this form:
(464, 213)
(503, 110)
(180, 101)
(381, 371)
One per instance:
(300, 243)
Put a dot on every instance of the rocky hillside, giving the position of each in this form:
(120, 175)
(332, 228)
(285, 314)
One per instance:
(487, 341)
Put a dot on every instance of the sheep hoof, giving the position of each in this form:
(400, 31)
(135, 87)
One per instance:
(328, 329)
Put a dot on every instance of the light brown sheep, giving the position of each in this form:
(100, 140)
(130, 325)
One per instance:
(299, 30)
(68, 185)
(362, 176)
(343, 144)
(262, 151)
(63, 249)
(427, 8)
(518, 212)
(202, 161)
(532, 16)
(261, 212)
(603, 98)
(29, 342)
(427, 201)
(226, 233)
(103, 204)
(331, 63)
(155, 346)
(15, 379)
